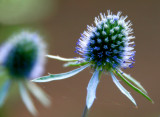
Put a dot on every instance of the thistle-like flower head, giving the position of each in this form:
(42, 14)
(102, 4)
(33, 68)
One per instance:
(23, 58)
(23, 55)
(107, 45)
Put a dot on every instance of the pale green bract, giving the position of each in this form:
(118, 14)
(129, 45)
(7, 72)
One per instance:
(136, 88)
(122, 89)
(61, 76)
(3, 91)
(134, 81)
(27, 99)
(75, 62)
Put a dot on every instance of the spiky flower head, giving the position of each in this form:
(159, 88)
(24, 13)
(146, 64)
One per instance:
(24, 55)
(22, 58)
(107, 45)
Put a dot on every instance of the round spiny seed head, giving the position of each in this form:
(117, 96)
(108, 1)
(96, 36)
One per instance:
(107, 45)
(23, 55)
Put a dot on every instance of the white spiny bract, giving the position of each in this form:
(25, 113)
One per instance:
(108, 45)
(22, 58)
(105, 47)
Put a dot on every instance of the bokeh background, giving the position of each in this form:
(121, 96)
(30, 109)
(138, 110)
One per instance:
(60, 23)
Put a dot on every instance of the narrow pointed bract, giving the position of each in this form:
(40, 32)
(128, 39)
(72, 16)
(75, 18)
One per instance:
(91, 89)
(39, 94)
(60, 76)
(122, 89)
(134, 81)
(27, 99)
(137, 89)
(4, 91)
(63, 59)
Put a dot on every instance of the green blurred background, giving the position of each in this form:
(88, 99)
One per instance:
(60, 23)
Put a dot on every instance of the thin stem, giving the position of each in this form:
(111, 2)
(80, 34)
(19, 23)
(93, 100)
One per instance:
(85, 112)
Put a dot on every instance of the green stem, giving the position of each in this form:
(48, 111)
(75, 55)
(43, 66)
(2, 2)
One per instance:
(85, 112)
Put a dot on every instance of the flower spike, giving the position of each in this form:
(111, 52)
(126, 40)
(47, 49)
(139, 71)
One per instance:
(22, 58)
(106, 46)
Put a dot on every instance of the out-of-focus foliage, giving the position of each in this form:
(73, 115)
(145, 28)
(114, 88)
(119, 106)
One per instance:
(24, 11)
(3, 113)
(7, 30)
